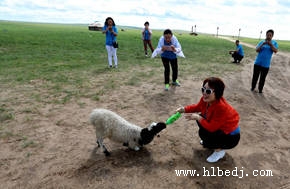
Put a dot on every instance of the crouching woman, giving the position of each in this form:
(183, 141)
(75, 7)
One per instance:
(218, 121)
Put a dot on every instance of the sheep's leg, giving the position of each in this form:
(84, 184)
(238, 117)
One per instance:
(101, 144)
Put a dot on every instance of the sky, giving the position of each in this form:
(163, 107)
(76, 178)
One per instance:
(250, 18)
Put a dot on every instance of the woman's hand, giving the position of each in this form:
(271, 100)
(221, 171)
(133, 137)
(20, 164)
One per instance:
(172, 48)
(180, 110)
(164, 48)
(193, 116)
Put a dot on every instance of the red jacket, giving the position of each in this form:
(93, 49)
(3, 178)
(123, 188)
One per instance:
(220, 115)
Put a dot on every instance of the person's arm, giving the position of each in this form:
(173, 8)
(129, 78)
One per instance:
(192, 108)
(176, 47)
(274, 48)
(150, 31)
(260, 45)
(114, 31)
(158, 49)
(105, 29)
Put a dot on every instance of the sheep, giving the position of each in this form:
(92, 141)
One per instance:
(110, 125)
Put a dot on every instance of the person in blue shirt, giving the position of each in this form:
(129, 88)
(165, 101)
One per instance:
(169, 48)
(237, 54)
(146, 37)
(111, 32)
(265, 50)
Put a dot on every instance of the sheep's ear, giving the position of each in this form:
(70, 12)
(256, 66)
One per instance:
(144, 132)
(146, 136)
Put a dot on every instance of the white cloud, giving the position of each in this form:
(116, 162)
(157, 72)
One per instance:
(229, 15)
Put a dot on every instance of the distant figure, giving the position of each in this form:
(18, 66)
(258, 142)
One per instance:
(237, 54)
(146, 37)
(111, 32)
(169, 48)
(265, 50)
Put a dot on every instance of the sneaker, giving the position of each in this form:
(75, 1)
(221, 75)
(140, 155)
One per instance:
(166, 87)
(214, 157)
(115, 66)
(110, 66)
(176, 83)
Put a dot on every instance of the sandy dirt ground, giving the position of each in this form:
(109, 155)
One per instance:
(55, 145)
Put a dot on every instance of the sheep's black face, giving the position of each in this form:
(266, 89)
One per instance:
(147, 134)
(156, 128)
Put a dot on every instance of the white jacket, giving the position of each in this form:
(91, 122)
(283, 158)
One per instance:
(174, 42)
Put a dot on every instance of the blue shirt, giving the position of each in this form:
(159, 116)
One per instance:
(146, 35)
(240, 50)
(110, 37)
(265, 55)
(168, 54)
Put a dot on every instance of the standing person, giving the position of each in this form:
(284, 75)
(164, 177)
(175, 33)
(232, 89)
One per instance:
(146, 37)
(218, 121)
(169, 48)
(111, 32)
(265, 50)
(237, 54)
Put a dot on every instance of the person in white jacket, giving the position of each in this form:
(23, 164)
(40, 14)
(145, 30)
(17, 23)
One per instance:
(169, 48)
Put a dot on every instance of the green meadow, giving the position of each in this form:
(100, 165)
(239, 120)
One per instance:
(67, 61)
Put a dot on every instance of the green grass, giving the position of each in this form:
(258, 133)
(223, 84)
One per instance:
(63, 62)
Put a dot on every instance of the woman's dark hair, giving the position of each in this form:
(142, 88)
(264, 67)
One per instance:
(216, 84)
(271, 31)
(109, 18)
(146, 23)
(167, 31)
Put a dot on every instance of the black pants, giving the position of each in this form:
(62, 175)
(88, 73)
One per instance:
(218, 139)
(237, 57)
(174, 67)
(262, 72)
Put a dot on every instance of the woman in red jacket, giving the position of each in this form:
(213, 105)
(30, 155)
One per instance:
(218, 121)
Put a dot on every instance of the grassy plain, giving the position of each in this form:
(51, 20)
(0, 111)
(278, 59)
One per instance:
(63, 54)
(63, 60)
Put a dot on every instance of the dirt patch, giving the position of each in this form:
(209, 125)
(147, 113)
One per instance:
(53, 145)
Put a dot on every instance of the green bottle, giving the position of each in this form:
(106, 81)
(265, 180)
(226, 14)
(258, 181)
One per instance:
(173, 118)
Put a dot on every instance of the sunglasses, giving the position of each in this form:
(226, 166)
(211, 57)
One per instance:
(207, 91)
